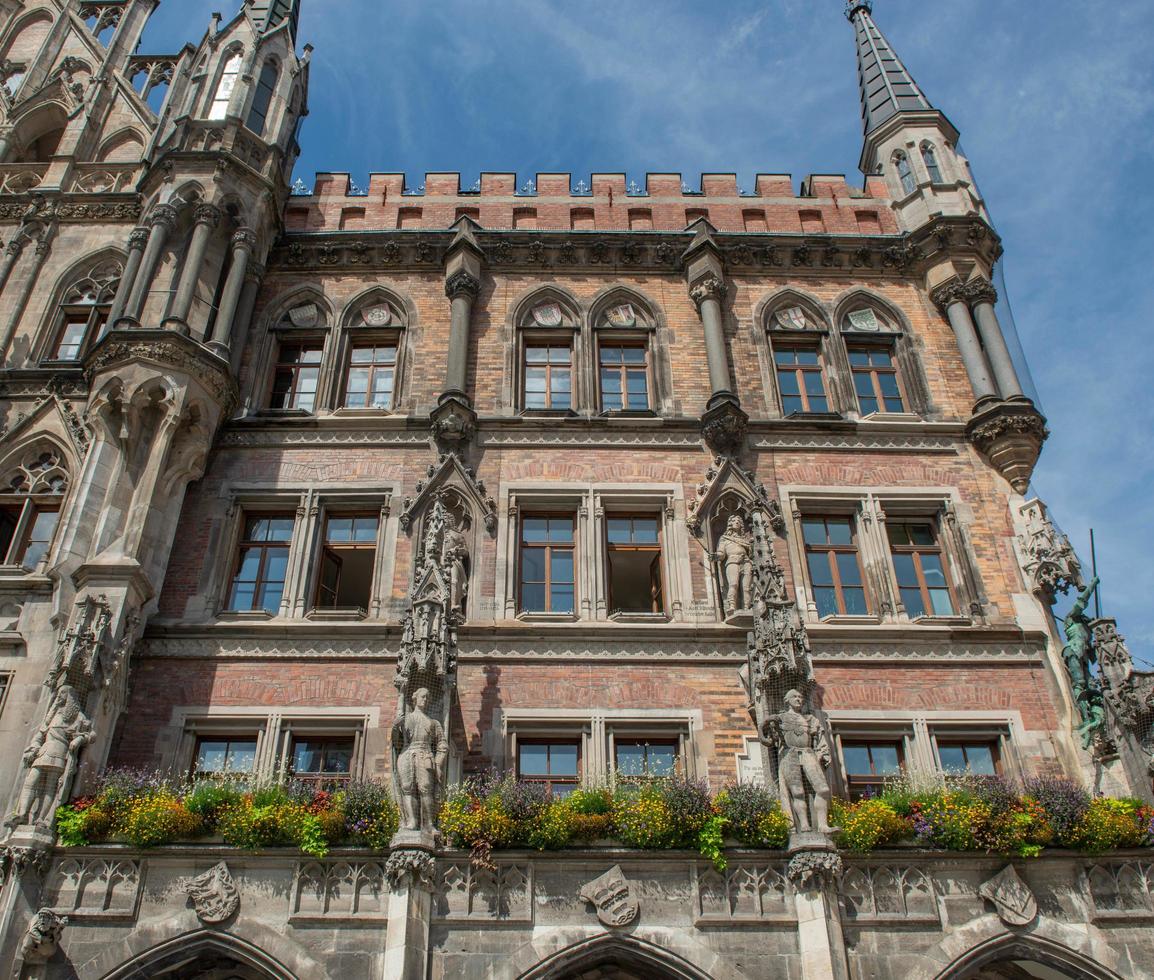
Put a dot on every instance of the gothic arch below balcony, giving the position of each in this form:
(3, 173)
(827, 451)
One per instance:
(617, 957)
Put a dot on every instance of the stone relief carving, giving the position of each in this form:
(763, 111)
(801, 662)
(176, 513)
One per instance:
(1011, 897)
(339, 890)
(1124, 890)
(95, 887)
(412, 867)
(743, 891)
(419, 754)
(879, 894)
(815, 868)
(214, 894)
(614, 898)
(42, 937)
(450, 470)
(503, 892)
(1049, 562)
(803, 756)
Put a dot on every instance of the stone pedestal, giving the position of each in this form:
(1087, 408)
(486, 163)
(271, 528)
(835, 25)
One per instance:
(411, 871)
(815, 869)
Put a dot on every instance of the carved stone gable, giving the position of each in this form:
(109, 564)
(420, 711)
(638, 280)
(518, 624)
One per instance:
(450, 471)
(724, 476)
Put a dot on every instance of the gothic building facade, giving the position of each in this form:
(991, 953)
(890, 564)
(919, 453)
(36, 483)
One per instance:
(577, 481)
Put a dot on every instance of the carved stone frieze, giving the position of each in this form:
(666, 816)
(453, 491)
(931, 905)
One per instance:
(743, 892)
(1122, 891)
(82, 208)
(814, 869)
(889, 894)
(726, 474)
(340, 890)
(1049, 561)
(500, 893)
(1011, 897)
(450, 470)
(213, 894)
(170, 350)
(95, 887)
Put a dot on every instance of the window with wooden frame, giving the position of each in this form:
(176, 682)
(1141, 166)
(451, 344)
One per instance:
(546, 566)
(348, 561)
(547, 375)
(556, 763)
(919, 565)
(870, 764)
(84, 313)
(624, 374)
(371, 374)
(296, 375)
(645, 758)
(833, 562)
(976, 756)
(800, 378)
(325, 761)
(30, 504)
(219, 755)
(262, 563)
(633, 556)
(876, 379)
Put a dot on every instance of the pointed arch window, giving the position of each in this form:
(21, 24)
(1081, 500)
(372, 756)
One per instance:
(625, 362)
(30, 497)
(371, 354)
(262, 98)
(83, 313)
(905, 173)
(548, 344)
(225, 87)
(930, 159)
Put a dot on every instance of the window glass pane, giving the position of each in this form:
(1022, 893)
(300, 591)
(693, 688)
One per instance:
(559, 355)
(249, 565)
(212, 756)
(561, 599)
(942, 603)
(895, 404)
(563, 760)
(898, 533)
(859, 358)
(863, 385)
(241, 756)
(813, 383)
(953, 758)
(855, 602)
(813, 531)
(889, 386)
(532, 597)
(857, 759)
(71, 339)
(562, 380)
(270, 596)
(534, 529)
(848, 570)
(562, 568)
(561, 530)
(633, 355)
(644, 530)
(242, 596)
(533, 564)
(792, 404)
(534, 760)
(662, 759)
(308, 756)
(981, 760)
(819, 570)
(788, 382)
(619, 530)
(340, 529)
(885, 760)
(365, 528)
(638, 401)
(826, 601)
(881, 358)
(904, 568)
(339, 758)
(932, 570)
(912, 600)
(39, 537)
(840, 531)
(786, 356)
(630, 759)
(921, 534)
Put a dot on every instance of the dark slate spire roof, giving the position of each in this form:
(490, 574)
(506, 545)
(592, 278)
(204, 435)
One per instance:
(268, 14)
(886, 87)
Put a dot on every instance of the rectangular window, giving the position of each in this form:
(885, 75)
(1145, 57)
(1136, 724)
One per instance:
(326, 761)
(557, 764)
(799, 379)
(348, 561)
(72, 334)
(624, 378)
(219, 754)
(546, 566)
(978, 757)
(371, 376)
(835, 573)
(262, 563)
(869, 764)
(26, 531)
(875, 379)
(548, 376)
(633, 547)
(920, 569)
(297, 373)
(641, 758)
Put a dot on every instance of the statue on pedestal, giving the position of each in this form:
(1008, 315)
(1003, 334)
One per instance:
(1078, 655)
(419, 753)
(455, 557)
(735, 552)
(803, 755)
(50, 760)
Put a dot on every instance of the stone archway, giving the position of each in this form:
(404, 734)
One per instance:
(1026, 958)
(203, 956)
(614, 958)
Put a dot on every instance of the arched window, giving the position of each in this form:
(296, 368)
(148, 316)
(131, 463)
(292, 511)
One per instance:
(83, 312)
(30, 496)
(224, 88)
(931, 162)
(372, 338)
(262, 98)
(625, 369)
(23, 49)
(905, 173)
(548, 342)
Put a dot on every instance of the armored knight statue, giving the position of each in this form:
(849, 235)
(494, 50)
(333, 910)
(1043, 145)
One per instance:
(1078, 655)
(419, 753)
(803, 756)
(51, 759)
(735, 552)
(455, 557)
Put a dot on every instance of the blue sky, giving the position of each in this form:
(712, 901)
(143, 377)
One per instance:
(1055, 102)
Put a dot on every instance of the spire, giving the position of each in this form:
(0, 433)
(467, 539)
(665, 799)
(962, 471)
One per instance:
(887, 88)
(268, 14)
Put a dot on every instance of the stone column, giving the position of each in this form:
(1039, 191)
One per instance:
(815, 869)
(163, 221)
(951, 298)
(253, 277)
(243, 245)
(707, 294)
(43, 247)
(462, 289)
(205, 220)
(136, 243)
(411, 875)
(12, 253)
(983, 295)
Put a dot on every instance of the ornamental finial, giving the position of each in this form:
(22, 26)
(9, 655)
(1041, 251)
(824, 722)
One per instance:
(853, 6)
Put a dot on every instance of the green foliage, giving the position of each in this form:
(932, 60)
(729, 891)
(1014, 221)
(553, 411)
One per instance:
(753, 816)
(711, 840)
(70, 827)
(209, 798)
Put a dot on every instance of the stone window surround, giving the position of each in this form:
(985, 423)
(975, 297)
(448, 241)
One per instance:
(597, 729)
(833, 344)
(273, 728)
(336, 342)
(870, 507)
(585, 500)
(919, 731)
(583, 325)
(310, 504)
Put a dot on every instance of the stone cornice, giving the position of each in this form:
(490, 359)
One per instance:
(77, 207)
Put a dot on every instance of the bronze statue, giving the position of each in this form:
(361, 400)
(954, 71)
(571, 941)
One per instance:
(735, 552)
(1079, 655)
(803, 755)
(419, 753)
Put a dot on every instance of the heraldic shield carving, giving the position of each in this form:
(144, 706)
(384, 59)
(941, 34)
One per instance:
(614, 898)
(214, 894)
(1012, 898)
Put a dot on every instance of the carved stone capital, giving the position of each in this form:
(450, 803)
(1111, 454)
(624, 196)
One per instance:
(412, 867)
(244, 239)
(949, 293)
(980, 290)
(207, 214)
(814, 869)
(16, 246)
(462, 284)
(138, 239)
(454, 423)
(1010, 435)
(711, 287)
(724, 426)
(164, 215)
(254, 273)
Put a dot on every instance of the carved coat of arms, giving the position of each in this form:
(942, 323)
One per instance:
(377, 316)
(306, 315)
(613, 897)
(793, 318)
(865, 320)
(1012, 898)
(548, 315)
(214, 894)
(622, 316)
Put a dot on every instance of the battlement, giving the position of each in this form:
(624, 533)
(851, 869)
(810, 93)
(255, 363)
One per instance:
(825, 203)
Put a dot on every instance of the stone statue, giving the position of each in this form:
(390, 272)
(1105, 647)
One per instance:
(42, 937)
(455, 556)
(1078, 655)
(419, 753)
(803, 755)
(51, 760)
(735, 552)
